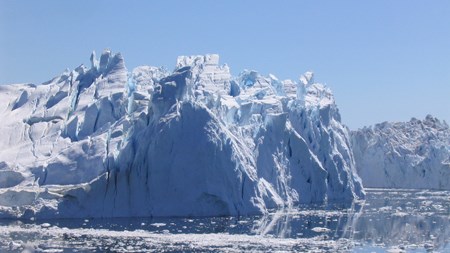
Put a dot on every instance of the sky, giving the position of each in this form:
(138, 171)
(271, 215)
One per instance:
(384, 60)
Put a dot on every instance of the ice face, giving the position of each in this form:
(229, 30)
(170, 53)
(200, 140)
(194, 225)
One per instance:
(195, 142)
(412, 154)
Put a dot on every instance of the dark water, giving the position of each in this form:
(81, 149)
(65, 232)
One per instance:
(387, 221)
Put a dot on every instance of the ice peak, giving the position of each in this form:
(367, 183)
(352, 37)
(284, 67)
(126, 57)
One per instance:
(307, 78)
(107, 62)
(94, 61)
(429, 121)
(430, 118)
(104, 59)
(434, 122)
(317, 94)
(195, 60)
(207, 76)
(249, 77)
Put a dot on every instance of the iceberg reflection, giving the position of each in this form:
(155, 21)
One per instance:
(388, 219)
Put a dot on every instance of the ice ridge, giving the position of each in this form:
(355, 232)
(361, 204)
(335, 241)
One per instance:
(413, 154)
(106, 142)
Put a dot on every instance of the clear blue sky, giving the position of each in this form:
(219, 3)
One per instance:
(383, 59)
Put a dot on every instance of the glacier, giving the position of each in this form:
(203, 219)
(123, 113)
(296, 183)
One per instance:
(413, 154)
(102, 141)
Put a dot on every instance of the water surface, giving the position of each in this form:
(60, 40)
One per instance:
(387, 221)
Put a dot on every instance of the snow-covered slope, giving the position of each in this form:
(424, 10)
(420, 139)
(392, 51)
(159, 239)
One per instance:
(414, 154)
(102, 141)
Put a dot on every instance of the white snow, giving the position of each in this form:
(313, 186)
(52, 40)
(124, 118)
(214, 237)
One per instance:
(104, 142)
(414, 154)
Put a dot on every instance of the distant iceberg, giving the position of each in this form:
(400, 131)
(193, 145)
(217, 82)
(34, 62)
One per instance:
(414, 154)
(105, 142)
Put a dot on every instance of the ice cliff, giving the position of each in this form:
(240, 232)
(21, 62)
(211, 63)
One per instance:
(101, 141)
(414, 154)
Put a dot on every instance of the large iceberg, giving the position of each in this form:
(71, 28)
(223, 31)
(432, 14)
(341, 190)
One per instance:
(105, 142)
(414, 154)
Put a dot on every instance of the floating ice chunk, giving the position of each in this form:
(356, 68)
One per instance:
(158, 224)
(320, 230)
(46, 225)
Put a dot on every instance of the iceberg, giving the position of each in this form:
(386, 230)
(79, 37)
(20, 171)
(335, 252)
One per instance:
(413, 154)
(107, 142)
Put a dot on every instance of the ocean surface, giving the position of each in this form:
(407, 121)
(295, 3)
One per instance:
(389, 220)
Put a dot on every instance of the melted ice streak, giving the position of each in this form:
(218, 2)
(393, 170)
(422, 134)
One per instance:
(105, 142)
(414, 154)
